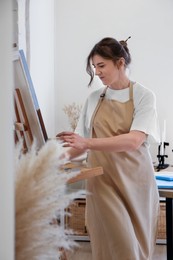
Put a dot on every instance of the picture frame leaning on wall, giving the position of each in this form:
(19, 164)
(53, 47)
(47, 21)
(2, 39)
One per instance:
(28, 118)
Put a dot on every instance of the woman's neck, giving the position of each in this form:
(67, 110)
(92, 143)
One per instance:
(121, 84)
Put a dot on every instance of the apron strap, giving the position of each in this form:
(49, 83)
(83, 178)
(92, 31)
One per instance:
(131, 90)
(103, 93)
(97, 107)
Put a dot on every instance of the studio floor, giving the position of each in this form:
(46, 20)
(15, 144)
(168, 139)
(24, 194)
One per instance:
(84, 252)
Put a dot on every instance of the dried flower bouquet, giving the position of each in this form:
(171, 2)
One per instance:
(40, 196)
(73, 112)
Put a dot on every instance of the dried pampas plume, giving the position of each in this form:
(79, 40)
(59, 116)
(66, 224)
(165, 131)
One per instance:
(40, 196)
(73, 112)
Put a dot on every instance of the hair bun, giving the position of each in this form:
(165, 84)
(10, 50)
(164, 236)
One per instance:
(124, 43)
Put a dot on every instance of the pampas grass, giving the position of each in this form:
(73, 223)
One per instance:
(73, 113)
(40, 197)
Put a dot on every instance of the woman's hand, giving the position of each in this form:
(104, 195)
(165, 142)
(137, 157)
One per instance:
(70, 139)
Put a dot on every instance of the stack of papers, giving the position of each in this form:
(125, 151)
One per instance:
(164, 180)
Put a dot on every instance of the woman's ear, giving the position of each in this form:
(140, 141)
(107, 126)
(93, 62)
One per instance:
(120, 63)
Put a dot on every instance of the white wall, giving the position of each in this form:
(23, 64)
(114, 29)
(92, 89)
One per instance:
(42, 58)
(80, 24)
(6, 134)
(21, 30)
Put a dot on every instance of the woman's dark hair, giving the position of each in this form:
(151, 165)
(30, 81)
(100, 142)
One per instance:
(111, 49)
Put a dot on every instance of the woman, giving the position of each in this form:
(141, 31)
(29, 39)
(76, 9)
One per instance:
(115, 126)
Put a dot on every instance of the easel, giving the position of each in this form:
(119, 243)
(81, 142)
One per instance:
(28, 121)
(22, 129)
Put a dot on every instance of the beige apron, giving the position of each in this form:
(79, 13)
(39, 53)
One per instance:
(122, 208)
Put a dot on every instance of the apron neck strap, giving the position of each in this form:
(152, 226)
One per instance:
(103, 93)
(131, 90)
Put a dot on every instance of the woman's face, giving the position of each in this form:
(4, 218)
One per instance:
(107, 70)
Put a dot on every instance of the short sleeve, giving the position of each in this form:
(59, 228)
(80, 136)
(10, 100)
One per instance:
(145, 115)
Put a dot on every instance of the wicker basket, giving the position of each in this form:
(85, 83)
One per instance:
(76, 220)
(162, 222)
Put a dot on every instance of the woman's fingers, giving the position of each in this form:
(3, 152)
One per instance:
(66, 137)
(71, 139)
(64, 133)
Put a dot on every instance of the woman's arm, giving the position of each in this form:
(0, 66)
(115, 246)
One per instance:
(125, 142)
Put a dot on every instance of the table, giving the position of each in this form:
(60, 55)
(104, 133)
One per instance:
(168, 194)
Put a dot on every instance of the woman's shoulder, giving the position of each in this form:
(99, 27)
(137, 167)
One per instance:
(141, 89)
(143, 93)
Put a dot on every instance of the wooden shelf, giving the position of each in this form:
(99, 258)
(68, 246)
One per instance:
(84, 171)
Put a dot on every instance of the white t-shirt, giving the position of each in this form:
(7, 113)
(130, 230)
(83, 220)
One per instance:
(145, 115)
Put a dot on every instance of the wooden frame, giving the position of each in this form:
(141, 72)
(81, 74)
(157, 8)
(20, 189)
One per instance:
(22, 127)
(27, 110)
